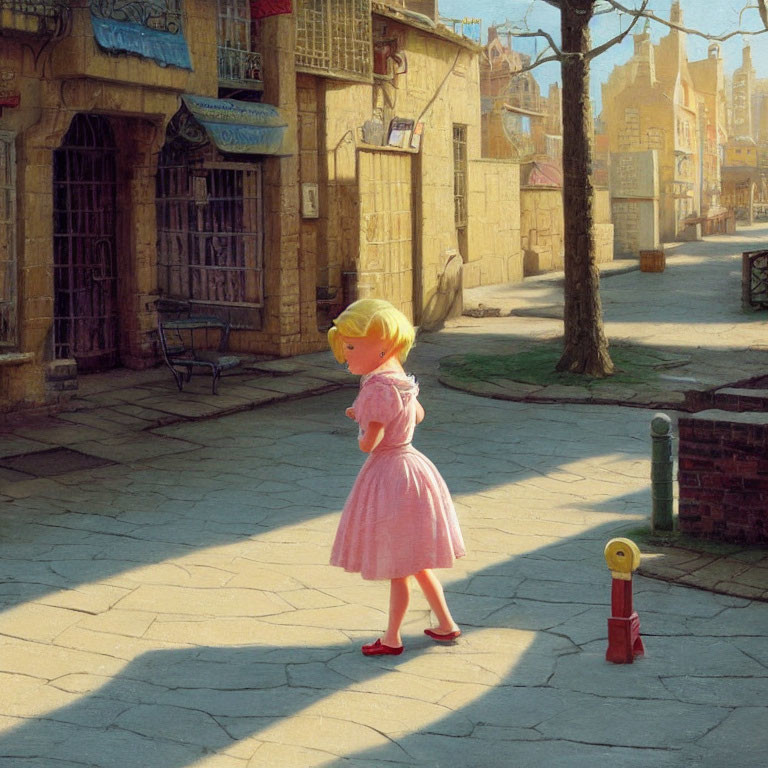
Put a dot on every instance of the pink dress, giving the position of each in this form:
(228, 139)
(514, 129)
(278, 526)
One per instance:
(399, 517)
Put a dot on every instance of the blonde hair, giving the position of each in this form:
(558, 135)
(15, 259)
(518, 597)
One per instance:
(372, 318)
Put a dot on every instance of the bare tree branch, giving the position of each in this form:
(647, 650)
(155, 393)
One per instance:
(539, 62)
(688, 30)
(636, 14)
(613, 41)
(547, 36)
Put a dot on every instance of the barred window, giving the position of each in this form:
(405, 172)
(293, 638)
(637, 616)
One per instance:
(43, 17)
(460, 175)
(210, 224)
(333, 37)
(8, 266)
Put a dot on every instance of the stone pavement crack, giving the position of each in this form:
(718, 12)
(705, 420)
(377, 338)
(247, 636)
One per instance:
(754, 658)
(614, 745)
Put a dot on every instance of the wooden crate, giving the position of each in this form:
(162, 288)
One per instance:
(652, 261)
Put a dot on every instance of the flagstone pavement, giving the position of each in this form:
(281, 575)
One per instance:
(173, 605)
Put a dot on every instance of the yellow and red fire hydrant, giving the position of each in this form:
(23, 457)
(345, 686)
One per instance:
(624, 642)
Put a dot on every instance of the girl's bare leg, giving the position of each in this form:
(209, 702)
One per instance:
(433, 591)
(399, 597)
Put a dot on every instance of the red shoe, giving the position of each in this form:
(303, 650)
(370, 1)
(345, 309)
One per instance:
(442, 637)
(379, 649)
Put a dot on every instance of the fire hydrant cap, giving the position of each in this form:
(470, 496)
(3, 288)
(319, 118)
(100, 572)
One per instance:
(622, 555)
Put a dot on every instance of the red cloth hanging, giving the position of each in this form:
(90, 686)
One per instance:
(262, 8)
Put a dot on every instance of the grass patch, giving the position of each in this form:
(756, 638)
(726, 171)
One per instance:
(536, 365)
(644, 535)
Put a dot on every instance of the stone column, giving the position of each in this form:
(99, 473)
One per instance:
(285, 306)
(140, 142)
(35, 237)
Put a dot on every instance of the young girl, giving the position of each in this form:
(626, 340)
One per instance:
(399, 520)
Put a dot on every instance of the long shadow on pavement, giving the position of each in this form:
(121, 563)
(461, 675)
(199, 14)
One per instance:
(258, 473)
(170, 708)
(546, 705)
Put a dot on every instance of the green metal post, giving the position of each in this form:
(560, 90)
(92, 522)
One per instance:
(661, 473)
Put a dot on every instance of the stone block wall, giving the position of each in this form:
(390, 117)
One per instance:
(603, 227)
(385, 263)
(494, 254)
(440, 89)
(541, 228)
(723, 475)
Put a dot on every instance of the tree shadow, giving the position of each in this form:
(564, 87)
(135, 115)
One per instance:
(254, 474)
(170, 708)
(527, 684)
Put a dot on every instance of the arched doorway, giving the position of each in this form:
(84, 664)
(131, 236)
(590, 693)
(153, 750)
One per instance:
(84, 245)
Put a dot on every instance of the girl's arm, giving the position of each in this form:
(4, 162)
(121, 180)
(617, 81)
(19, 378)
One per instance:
(419, 412)
(371, 437)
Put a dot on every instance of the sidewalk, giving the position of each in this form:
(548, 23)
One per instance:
(167, 601)
(112, 415)
(727, 570)
(687, 321)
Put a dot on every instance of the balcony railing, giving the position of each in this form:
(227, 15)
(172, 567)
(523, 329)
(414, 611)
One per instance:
(36, 17)
(239, 69)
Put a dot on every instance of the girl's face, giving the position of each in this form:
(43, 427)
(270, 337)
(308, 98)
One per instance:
(363, 354)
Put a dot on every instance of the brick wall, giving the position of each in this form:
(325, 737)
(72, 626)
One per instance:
(723, 475)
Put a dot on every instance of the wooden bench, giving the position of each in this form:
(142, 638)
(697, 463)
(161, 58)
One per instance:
(183, 352)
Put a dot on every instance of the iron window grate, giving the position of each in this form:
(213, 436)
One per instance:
(460, 174)
(239, 62)
(210, 231)
(333, 37)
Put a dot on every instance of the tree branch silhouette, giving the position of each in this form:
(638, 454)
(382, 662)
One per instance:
(636, 14)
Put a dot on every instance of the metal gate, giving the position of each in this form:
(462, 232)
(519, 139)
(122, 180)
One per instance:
(210, 233)
(84, 245)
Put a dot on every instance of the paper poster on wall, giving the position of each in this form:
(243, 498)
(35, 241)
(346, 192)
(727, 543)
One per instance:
(310, 206)
(418, 132)
(400, 130)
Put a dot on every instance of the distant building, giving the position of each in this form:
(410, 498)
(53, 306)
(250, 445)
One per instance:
(744, 166)
(518, 122)
(660, 101)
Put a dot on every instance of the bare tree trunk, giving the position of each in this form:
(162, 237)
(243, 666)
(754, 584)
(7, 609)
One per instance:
(585, 347)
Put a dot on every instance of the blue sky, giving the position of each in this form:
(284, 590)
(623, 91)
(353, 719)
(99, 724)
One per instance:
(711, 16)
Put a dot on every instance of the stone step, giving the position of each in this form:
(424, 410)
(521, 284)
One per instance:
(741, 399)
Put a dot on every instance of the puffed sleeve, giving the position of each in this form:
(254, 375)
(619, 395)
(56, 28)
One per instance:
(378, 401)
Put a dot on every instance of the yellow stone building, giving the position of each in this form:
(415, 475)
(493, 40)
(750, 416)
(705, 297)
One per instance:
(744, 172)
(518, 123)
(659, 101)
(255, 161)
(400, 210)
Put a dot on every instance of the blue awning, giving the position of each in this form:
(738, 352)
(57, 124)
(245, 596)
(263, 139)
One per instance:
(129, 37)
(240, 127)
